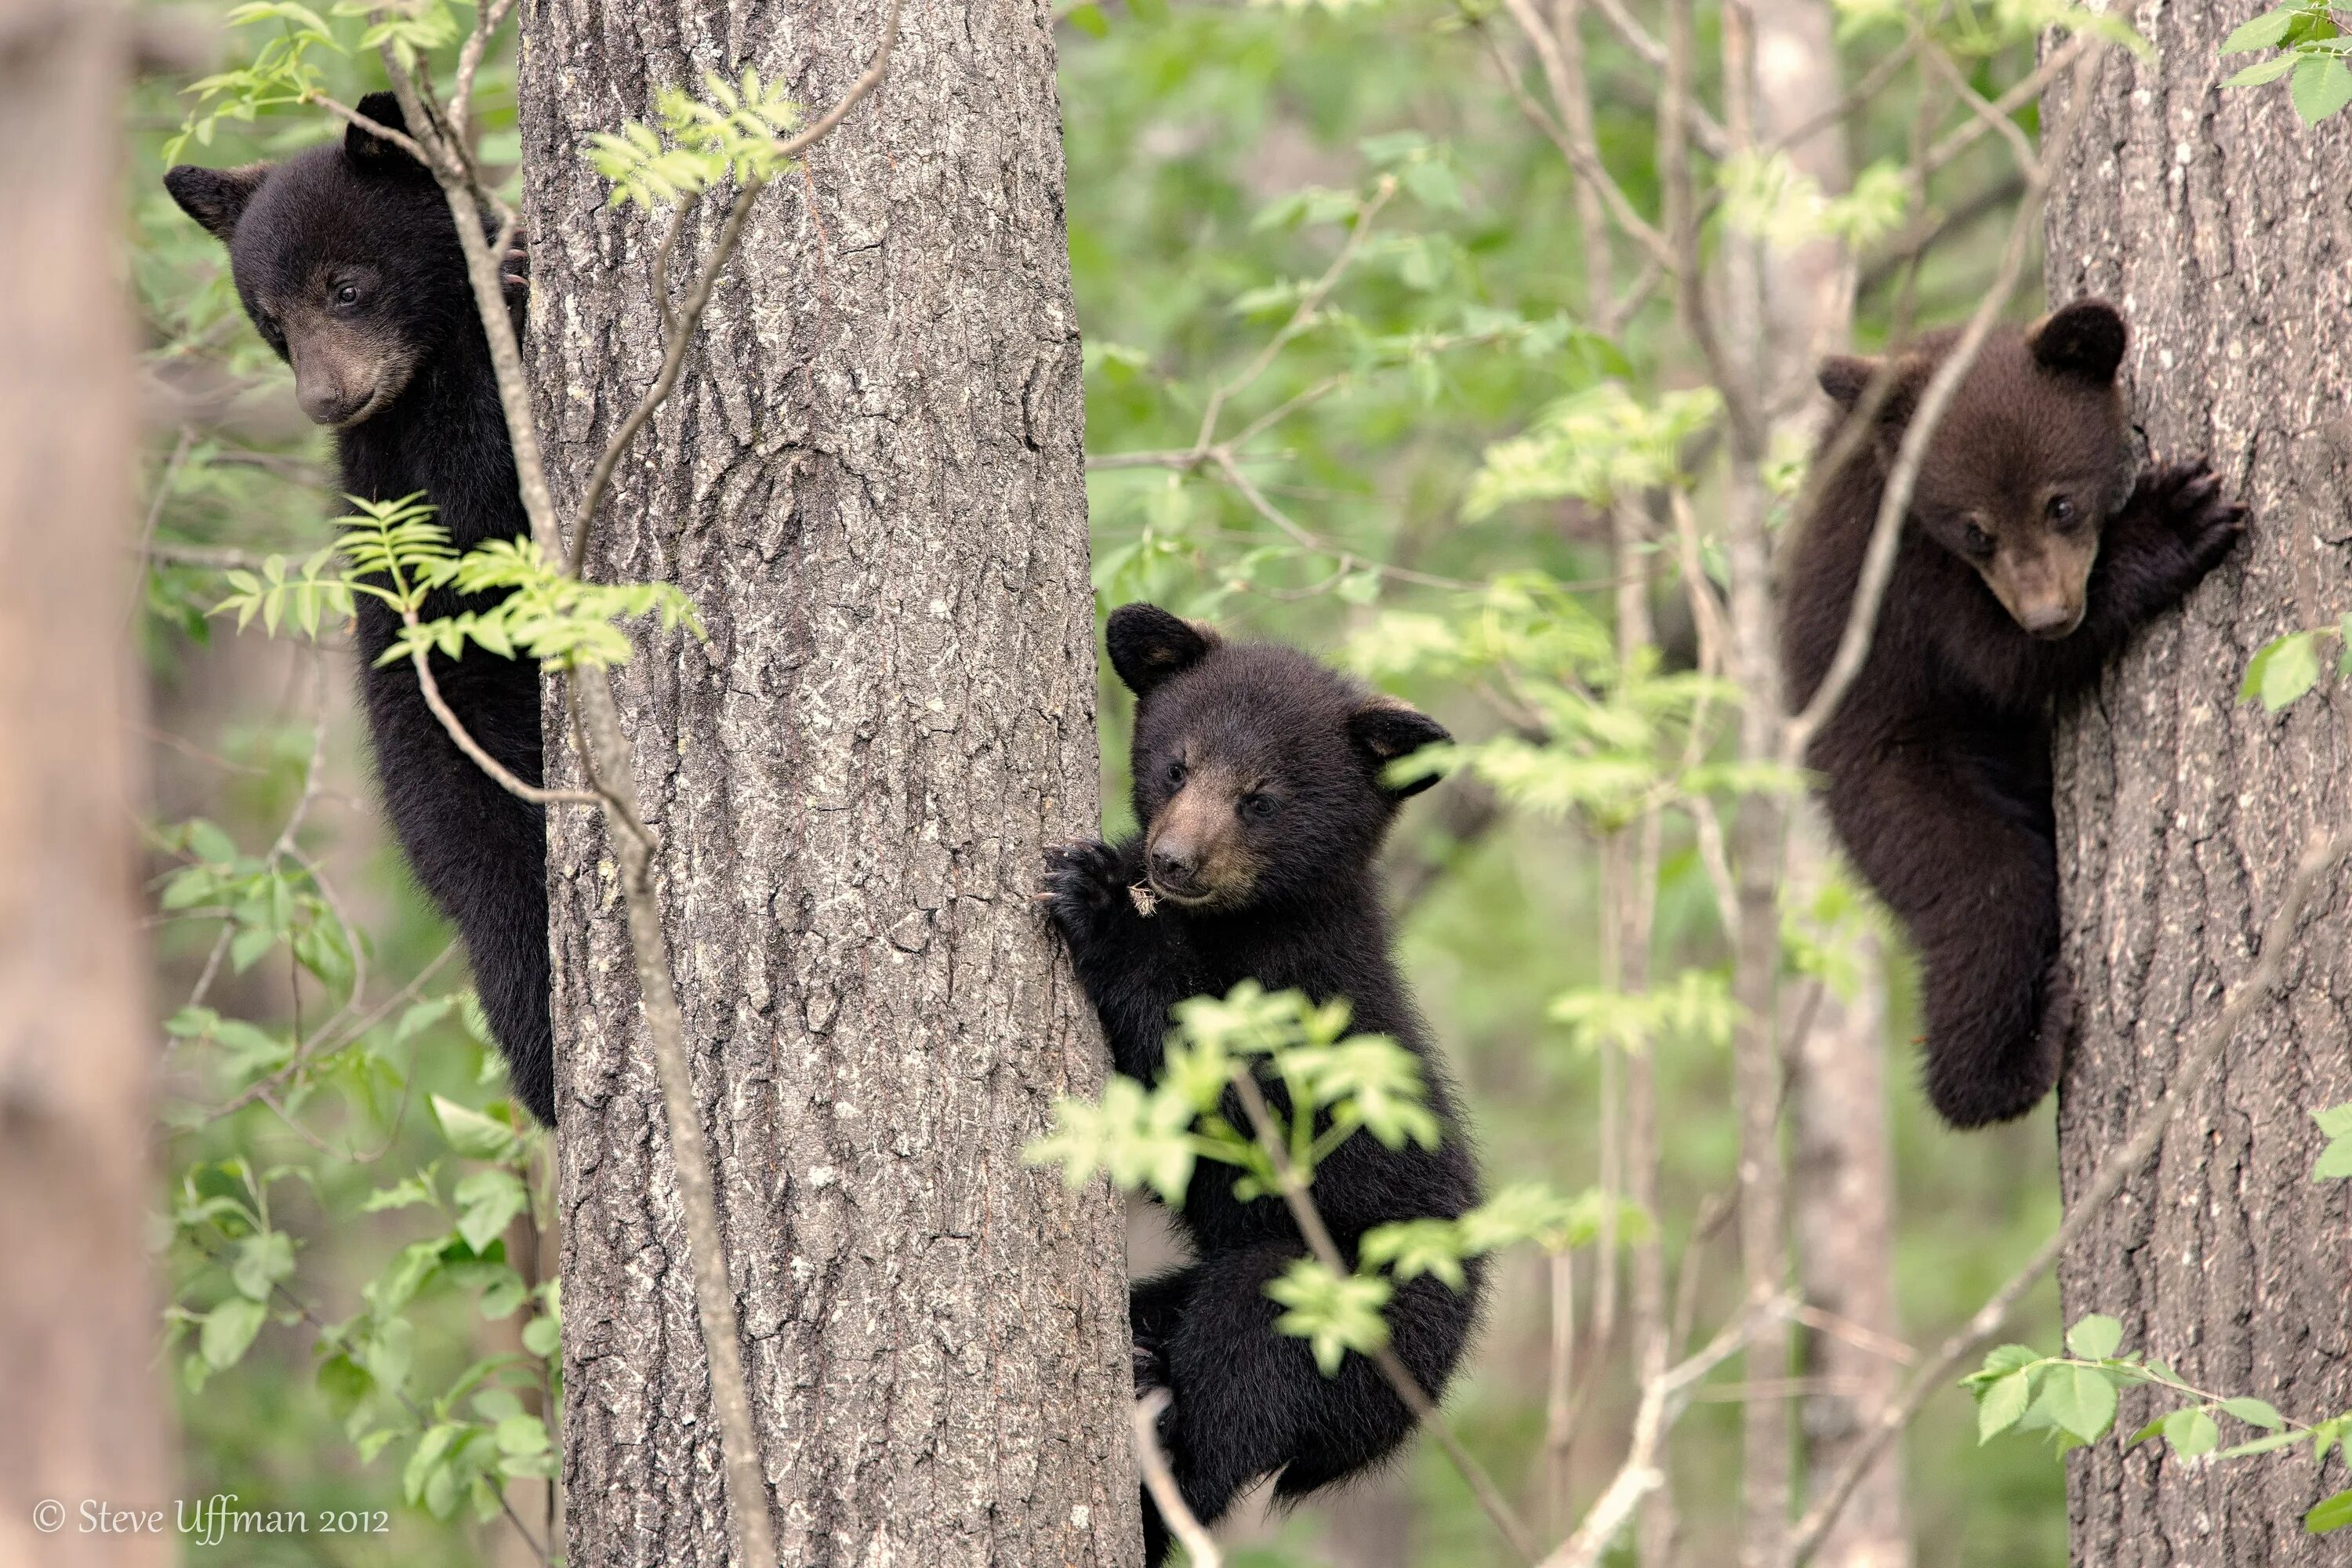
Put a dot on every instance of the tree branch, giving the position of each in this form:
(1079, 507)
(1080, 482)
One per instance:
(1200, 1548)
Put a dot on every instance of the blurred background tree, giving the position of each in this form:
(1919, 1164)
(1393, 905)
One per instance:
(1468, 342)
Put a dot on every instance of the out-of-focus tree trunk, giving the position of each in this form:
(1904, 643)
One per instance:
(2220, 223)
(1842, 1218)
(1841, 1190)
(870, 481)
(86, 1412)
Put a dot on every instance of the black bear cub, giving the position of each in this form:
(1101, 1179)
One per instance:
(1259, 782)
(347, 260)
(2031, 552)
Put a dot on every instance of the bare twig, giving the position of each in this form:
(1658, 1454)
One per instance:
(1309, 1220)
(216, 558)
(2320, 859)
(1200, 1548)
(163, 484)
(1663, 1398)
(1583, 156)
(1301, 317)
(503, 776)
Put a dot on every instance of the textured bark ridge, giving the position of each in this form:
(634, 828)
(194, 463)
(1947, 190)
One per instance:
(870, 479)
(2221, 225)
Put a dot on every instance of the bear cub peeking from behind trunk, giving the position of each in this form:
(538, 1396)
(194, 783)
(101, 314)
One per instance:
(2031, 554)
(1258, 780)
(346, 258)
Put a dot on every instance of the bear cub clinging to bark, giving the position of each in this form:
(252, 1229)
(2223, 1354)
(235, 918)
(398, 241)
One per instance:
(1259, 782)
(2030, 554)
(347, 260)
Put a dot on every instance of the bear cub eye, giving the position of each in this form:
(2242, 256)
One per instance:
(346, 295)
(1175, 774)
(2062, 512)
(1258, 805)
(1979, 542)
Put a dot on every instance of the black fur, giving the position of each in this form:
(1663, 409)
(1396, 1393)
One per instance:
(1249, 1401)
(1937, 763)
(362, 208)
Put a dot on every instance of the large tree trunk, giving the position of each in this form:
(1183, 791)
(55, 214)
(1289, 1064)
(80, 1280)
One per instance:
(2219, 223)
(86, 1415)
(870, 479)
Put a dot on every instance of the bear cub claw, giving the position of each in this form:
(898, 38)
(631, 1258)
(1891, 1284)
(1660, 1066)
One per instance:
(1082, 879)
(2186, 498)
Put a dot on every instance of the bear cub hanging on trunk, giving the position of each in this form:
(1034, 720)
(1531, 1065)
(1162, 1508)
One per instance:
(1259, 782)
(2031, 554)
(346, 258)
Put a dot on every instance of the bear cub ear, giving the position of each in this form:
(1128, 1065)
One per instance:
(368, 150)
(1147, 646)
(215, 198)
(2086, 339)
(1384, 728)
(1845, 378)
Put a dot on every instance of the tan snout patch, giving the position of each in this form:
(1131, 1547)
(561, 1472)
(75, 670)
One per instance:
(344, 372)
(2043, 583)
(1200, 824)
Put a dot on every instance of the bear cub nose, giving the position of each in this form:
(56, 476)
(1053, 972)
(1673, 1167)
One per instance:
(1174, 865)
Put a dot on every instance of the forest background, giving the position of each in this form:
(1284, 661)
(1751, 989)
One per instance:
(1367, 368)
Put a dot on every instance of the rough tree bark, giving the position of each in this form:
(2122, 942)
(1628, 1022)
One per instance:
(87, 1414)
(870, 479)
(2220, 223)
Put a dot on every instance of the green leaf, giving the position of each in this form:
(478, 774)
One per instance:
(473, 1134)
(2004, 1359)
(1336, 1313)
(2322, 85)
(344, 1383)
(2331, 1513)
(487, 1201)
(539, 1336)
(228, 1331)
(521, 1435)
(2283, 670)
(2254, 1413)
(2003, 1403)
(2265, 31)
(2266, 71)
(2269, 1444)
(262, 1261)
(2080, 1400)
(2094, 1337)
(2192, 1433)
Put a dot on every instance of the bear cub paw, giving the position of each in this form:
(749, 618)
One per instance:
(1082, 883)
(2186, 498)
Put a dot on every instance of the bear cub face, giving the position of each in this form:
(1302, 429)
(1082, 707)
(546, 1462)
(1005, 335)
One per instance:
(2034, 454)
(346, 259)
(1234, 786)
